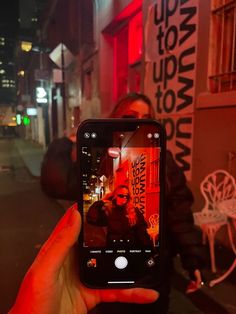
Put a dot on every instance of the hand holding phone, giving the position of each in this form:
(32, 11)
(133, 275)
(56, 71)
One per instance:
(42, 292)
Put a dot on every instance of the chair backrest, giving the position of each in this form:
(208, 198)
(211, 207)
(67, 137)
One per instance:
(153, 220)
(217, 186)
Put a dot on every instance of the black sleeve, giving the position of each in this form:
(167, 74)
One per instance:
(141, 229)
(58, 171)
(184, 237)
(96, 214)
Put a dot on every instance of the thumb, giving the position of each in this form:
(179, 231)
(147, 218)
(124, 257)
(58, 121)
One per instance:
(59, 247)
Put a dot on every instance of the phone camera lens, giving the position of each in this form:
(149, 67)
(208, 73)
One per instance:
(86, 135)
(94, 135)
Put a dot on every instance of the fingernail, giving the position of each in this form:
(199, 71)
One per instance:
(153, 295)
(73, 207)
(157, 294)
(72, 217)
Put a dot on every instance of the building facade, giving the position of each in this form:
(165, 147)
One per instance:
(181, 54)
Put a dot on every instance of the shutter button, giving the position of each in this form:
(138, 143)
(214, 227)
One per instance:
(121, 262)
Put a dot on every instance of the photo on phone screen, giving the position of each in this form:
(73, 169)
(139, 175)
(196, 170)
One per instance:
(120, 176)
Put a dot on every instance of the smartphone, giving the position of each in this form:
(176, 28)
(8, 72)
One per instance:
(121, 176)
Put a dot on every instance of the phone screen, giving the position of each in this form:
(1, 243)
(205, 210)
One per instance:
(121, 194)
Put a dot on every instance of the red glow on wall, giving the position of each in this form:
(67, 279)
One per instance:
(121, 62)
(128, 52)
(133, 7)
(135, 38)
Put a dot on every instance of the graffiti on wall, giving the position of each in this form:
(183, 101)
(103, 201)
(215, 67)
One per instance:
(170, 57)
(138, 182)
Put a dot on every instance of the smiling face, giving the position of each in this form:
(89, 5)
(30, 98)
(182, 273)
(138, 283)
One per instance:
(122, 196)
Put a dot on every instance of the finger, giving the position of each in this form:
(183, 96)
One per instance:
(64, 220)
(60, 225)
(198, 277)
(135, 295)
(53, 258)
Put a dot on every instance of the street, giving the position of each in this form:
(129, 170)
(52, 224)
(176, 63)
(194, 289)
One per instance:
(27, 217)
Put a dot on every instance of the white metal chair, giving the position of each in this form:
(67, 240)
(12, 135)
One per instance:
(215, 187)
(228, 207)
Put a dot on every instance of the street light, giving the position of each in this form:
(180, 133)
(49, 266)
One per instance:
(26, 46)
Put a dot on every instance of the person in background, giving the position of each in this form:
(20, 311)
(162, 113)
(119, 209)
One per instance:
(58, 171)
(123, 221)
(52, 286)
(58, 179)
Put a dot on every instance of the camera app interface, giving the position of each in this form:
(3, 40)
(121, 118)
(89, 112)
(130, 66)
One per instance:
(121, 195)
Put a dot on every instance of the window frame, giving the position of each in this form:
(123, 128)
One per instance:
(222, 49)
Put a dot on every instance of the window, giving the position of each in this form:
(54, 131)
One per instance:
(135, 38)
(127, 57)
(121, 62)
(222, 54)
(2, 41)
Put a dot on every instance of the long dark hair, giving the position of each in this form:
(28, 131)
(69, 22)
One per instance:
(121, 106)
(130, 210)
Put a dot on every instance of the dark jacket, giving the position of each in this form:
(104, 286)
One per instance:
(58, 179)
(58, 172)
(117, 223)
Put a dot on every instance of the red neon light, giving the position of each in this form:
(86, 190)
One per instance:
(134, 6)
(135, 38)
(127, 48)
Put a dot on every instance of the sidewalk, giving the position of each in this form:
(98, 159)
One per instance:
(220, 299)
(32, 154)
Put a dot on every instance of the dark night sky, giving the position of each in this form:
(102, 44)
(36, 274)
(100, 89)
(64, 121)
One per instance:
(9, 12)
